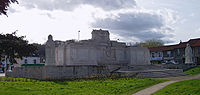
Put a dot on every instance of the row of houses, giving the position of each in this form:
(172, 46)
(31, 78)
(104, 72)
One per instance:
(36, 59)
(175, 53)
(25, 61)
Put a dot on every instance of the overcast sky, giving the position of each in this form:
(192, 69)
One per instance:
(127, 20)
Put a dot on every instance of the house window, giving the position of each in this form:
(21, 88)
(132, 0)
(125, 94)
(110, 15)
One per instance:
(178, 51)
(160, 54)
(168, 53)
(34, 61)
(198, 50)
(153, 55)
(25, 61)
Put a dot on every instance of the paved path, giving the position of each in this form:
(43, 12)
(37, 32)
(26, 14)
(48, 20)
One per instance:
(2, 74)
(153, 89)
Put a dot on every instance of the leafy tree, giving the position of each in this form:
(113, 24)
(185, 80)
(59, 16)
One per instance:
(13, 47)
(40, 49)
(40, 52)
(152, 43)
(4, 4)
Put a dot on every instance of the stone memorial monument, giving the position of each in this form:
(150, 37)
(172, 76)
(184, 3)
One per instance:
(188, 55)
(99, 50)
(78, 59)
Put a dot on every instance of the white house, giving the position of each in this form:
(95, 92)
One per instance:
(24, 60)
(29, 60)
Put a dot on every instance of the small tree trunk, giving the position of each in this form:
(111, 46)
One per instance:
(5, 69)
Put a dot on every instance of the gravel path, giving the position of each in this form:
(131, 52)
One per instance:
(153, 89)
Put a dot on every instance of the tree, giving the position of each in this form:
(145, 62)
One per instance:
(40, 51)
(4, 4)
(152, 43)
(13, 47)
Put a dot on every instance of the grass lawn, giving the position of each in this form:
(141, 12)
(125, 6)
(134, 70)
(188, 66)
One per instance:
(122, 86)
(188, 87)
(193, 71)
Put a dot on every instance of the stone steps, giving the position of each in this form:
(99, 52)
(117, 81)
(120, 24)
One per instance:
(148, 71)
(140, 67)
(159, 74)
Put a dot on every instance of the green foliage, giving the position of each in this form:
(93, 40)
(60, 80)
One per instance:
(15, 47)
(105, 86)
(4, 4)
(188, 87)
(40, 49)
(152, 43)
(193, 71)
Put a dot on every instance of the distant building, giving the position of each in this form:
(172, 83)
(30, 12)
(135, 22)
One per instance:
(175, 53)
(36, 58)
(26, 60)
(30, 60)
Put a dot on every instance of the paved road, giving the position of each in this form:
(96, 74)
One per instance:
(153, 89)
(2, 74)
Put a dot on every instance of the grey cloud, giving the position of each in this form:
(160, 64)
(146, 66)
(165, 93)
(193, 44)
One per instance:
(69, 5)
(131, 22)
(140, 25)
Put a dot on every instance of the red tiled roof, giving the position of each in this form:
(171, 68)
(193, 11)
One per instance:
(192, 42)
(162, 48)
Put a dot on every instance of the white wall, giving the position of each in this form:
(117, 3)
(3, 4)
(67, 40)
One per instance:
(138, 56)
(30, 60)
(80, 55)
(102, 55)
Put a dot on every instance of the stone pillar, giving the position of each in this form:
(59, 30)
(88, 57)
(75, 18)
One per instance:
(188, 55)
(101, 35)
(138, 56)
(50, 51)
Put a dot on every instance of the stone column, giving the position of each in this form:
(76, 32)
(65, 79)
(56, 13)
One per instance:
(50, 51)
(188, 55)
(138, 56)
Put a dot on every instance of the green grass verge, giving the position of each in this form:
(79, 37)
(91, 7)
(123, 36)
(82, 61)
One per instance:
(106, 86)
(188, 87)
(193, 71)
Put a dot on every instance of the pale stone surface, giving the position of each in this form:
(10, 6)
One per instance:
(138, 56)
(50, 51)
(100, 35)
(96, 51)
(188, 55)
(58, 72)
(69, 72)
(93, 57)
